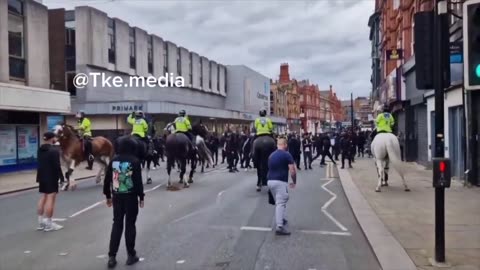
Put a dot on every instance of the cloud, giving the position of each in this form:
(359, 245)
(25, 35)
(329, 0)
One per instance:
(325, 41)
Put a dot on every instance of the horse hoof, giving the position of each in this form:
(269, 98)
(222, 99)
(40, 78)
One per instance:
(181, 181)
(377, 190)
(407, 189)
(259, 189)
(190, 181)
(186, 185)
(386, 184)
(149, 181)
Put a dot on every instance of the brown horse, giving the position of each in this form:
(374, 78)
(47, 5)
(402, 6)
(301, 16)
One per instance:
(73, 151)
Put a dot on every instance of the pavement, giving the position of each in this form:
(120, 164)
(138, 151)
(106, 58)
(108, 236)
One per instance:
(220, 222)
(409, 217)
(24, 180)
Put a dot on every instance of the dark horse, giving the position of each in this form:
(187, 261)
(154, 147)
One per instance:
(263, 146)
(180, 149)
(143, 151)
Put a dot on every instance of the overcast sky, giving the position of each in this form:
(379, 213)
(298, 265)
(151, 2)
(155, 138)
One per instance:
(325, 41)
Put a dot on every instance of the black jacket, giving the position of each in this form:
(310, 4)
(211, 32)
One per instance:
(294, 146)
(49, 169)
(307, 143)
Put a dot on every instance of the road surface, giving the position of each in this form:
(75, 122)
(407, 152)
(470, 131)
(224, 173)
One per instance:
(219, 223)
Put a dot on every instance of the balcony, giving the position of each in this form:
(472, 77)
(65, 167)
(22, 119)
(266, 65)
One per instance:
(22, 98)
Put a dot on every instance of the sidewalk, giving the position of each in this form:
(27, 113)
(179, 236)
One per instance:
(18, 181)
(410, 216)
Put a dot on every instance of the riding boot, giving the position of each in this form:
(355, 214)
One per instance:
(88, 153)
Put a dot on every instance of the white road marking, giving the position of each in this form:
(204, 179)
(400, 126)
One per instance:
(102, 256)
(27, 252)
(326, 233)
(141, 259)
(63, 254)
(86, 209)
(181, 262)
(327, 204)
(59, 219)
(259, 229)
(155, 187)
(189, 215)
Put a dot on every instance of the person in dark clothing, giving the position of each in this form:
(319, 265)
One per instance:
(354, 139)
(48, 174)
(230, 151)
(223, 144)
(214, 144)
(123, 180)
(361, 140)
(307, 151)
(346, 146)
(294, 147)
(247, 151)
(327, 144)
(336, 146)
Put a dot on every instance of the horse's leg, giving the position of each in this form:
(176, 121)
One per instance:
(170, 164)
(380, 165)
(183, 170)
(103, 164)
(149, 179)
(385, 173)
(192, 171)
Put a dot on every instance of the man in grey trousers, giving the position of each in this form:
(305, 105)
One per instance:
(280, 163)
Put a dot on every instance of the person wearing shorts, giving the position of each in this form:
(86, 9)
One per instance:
(48, 174)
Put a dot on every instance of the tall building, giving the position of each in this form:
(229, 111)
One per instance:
(93, 42)
(28, 105)
(289, 89)
(309, 106)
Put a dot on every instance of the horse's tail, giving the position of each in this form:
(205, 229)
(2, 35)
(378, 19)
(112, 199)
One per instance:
(204, 152)
(393, 150)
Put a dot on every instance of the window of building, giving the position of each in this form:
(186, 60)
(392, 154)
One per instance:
(16, 39)
(70, 85)
(210, 75)
(165, 57)
(132, 49)
(70, 62)
(396, 4)
(111, 38)
(150, 54)
(191, 69)
(179, 62)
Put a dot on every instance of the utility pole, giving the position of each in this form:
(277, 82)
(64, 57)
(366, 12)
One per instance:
(351, 113)
(441, 49)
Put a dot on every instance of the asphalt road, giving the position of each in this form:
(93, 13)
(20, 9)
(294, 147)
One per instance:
(220, 222)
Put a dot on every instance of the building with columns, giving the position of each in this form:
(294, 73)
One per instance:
(96, 43)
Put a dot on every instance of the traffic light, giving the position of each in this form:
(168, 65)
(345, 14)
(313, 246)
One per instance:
(471, 44)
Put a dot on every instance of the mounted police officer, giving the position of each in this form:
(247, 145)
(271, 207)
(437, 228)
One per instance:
(263, 125)
(139, 125)
(85, 131)
(384, 121)
(183, 125)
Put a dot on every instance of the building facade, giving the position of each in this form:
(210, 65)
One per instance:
(28, 107)
(289, 88)
(96, 43)
(309, 106)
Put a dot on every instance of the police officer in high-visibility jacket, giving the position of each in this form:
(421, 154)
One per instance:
(263, 124)
(183, 125)
(139, 125)
(85, 129)
(385, 121)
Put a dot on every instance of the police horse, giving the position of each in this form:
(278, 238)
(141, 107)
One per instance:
(180, 149)
(263, 146)
(73, 151)
(386, 149)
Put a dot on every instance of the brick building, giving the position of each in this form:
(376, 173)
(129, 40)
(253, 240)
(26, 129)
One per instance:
(309, 106)
(285, 91)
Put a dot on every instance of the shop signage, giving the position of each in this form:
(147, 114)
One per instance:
(125, 107)
(395, 54)
(8, 145)
(27, 139)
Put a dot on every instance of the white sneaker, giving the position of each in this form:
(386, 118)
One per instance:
(64, 186)
(41, 226)
(53, 227)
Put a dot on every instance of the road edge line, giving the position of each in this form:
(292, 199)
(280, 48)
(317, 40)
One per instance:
(389, 252)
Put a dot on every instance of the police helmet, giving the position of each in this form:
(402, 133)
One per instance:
(182, 113)
(80, 114)
(263, 112)
(139, 114)
(386, 108)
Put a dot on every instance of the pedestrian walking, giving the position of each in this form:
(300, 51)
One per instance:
(280, 163)
(49, 172)
(361, 140)
(347, 147)
(307, 151)
(294, 147)
(123, 189)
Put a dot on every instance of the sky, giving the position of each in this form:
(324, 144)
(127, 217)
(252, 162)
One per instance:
(324, 41)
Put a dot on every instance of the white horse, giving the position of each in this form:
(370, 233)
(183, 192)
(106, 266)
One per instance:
(386, 149)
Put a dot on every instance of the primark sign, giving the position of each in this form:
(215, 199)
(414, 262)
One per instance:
(116, 108)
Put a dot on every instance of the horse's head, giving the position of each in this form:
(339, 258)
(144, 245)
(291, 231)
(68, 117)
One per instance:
(64, 131)
(200, 130)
